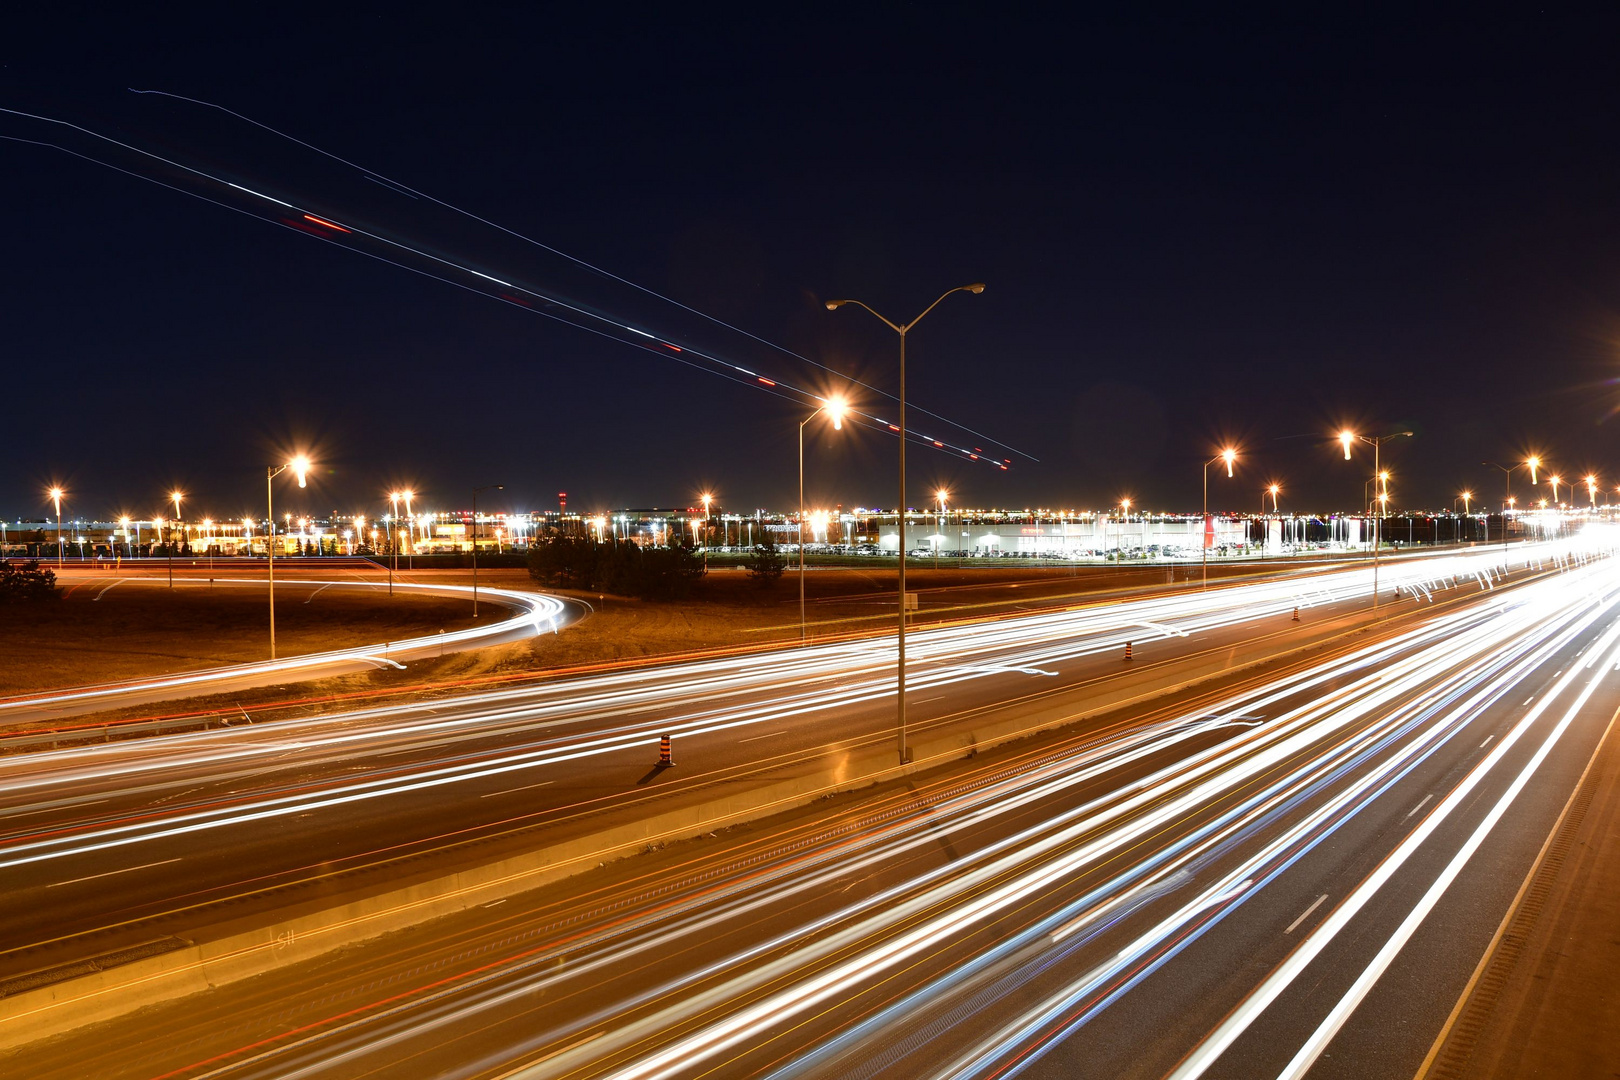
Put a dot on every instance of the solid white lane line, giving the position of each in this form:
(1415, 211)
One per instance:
(508, 791)
(110, 873)
(1329, 1027)
(756, 738)
(1305, 914)
(1420, 805)
(1238, 1021)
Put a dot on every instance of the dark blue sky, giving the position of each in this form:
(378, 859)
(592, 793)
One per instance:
(1191, 229)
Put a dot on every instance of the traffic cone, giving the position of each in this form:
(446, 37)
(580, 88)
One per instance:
(666, 756)
(1127, 650)
(1296, 613)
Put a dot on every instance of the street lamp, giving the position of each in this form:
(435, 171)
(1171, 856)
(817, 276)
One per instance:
(1555, 480)
(174, 496)
(1591, 489)
(941, 495)
(1376, 442)
(410, 534)
(1229, 455)
(475, 491)
(208, 527)
(900, 511)
(1274, 490)
(393, 535)
(300, 467)
(708, 497)
(835, 408)
(55, 495)
(123, 523)
(1507, 492)
(1532, 463)
(1466, 498)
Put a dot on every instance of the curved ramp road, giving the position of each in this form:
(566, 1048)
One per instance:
(532, 613)
(1294, 879)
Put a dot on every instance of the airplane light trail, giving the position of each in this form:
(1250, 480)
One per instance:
(214, 189)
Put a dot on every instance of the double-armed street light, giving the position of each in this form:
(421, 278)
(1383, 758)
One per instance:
(900, 510)
(835, 407)
(300, 467)
(1532, 463)
(1347, 438)
(1229, 455)
(475, 491)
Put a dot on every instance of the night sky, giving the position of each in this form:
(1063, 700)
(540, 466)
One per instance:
(1191, 231)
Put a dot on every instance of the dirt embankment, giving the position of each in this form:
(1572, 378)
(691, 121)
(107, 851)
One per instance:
(142, 628)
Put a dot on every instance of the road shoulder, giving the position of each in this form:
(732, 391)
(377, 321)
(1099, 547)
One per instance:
(1543, 1001)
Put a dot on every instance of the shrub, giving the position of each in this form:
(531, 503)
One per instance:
(766, 562)
(27, 584)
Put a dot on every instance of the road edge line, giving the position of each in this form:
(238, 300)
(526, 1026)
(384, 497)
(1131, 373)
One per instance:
(1472, 1000)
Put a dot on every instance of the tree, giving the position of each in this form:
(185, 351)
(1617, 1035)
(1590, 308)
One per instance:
(766, 562)
(27, 584)
(623, 567)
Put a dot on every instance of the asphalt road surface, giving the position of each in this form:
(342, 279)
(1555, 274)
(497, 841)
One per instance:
(1292, 878)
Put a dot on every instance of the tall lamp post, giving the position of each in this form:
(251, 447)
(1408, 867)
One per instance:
(1229, 455)
(393, 535)
(174, 496)
(1346, 439)
(1466, 497)
(56, 494)
(708, 497)
(300, 467)
(475, 491)
(902, 329)
(1532, 463)
(835, 408)
(410, 530)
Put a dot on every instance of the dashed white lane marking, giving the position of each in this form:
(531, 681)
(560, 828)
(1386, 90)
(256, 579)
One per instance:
(110, 873)
(1305, 914)
(508, 791)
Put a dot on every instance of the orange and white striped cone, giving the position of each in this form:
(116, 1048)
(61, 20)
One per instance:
(666, 754)
(1127, 650)
(1296, 613)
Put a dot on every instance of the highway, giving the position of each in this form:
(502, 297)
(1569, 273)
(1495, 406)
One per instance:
(1033, 891)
